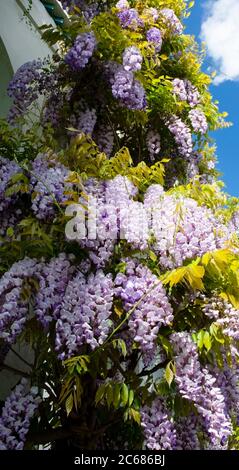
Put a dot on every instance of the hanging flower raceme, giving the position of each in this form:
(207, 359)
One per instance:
(53, 282)
(182, 136)
(48, 187)
(198, 120)
(113, 200)
(81, 51)
(198, 385)
(132, 59)
(193, 95)
(181, 229)
(179, 89)
(13, 303)
(128, 90)
(104, 137)
(8, 169)
(157, 426)
(89, 11)
(84, 121)
(129, 18)
(153, 141)
(18, 410)
(140, 290)
(227, 380)
(23, 88)
(171, 20)
(187, 432)
(154, 36)
(84, 317)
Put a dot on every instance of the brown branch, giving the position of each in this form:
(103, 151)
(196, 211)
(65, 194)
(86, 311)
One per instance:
(154, 369)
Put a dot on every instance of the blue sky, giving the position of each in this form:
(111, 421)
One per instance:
(221, 30)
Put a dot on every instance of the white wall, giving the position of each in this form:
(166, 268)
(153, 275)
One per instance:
(22, 41)
(6, 72)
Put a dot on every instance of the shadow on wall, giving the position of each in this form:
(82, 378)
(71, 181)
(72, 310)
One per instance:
(6, 73)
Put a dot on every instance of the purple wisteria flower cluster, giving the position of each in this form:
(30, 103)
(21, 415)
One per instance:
(13, 305)
(225, 316)
(198, 120)
(171, 21)
(8, 169)
(89, 11)
(227, 379)
(196, 384)
(182, 135)
(154, 36)
(141, 290)
(84, 121)
(176, 228)
(179, 89)
(81, 52)
(129, 18)
(185, 91)
(157, 426)
(153, 142)
(48, 188)
(193, 94)
(53, 281)
(152, 13)
(84, 314)
(181, 229)
(132, 59)
(24, 88)
(18, 410)
(128, 90)
(104, 137)
(114, 202)
(52, 109)
(187, 430)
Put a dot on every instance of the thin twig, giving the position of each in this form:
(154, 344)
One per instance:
(154, 369)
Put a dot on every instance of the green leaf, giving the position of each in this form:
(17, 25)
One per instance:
(207, 341)
(100, 393)
(200, 339)
(135, 415)
(116, 395)
(120, 343)
(166, 345)
(109, 395)
(153, 256)
(124, 394)
(169, 373)
(174, 277)
(131, 397)
(10, 232)
(69, 404)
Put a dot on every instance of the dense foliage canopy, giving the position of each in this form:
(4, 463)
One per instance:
(119, 248)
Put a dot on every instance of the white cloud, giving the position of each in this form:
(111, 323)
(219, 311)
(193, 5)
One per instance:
(220, 31)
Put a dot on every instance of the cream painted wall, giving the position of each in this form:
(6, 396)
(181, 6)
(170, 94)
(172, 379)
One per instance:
(6, 72)
(20, 40)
